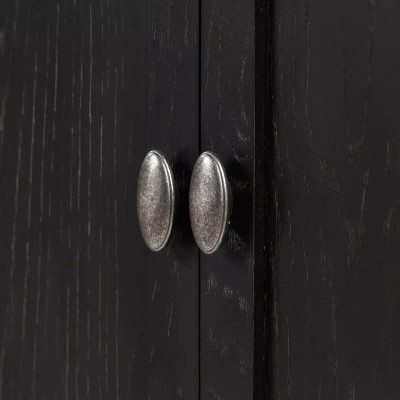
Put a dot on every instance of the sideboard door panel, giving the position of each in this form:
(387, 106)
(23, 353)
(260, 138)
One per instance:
(227, 129)
(172, 126)
(86, 89)
(335, 256)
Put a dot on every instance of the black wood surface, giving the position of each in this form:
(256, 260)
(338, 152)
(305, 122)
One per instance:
(229, 332)
(300, 100)
(335, 254)
(86, 311)
(172, 276)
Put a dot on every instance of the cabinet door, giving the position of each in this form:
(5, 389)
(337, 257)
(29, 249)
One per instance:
(86, 89)
(301, 102)
(232, 284)
(336, 139)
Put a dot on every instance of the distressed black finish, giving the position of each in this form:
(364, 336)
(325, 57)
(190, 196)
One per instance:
(301, 102)
(86, 89)
(227, 129)
(335, 254)
(172, 276)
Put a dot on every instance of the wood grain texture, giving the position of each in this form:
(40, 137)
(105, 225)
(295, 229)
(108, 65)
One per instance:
(227, 128)
(172, 276)
(86, 311)
(335, 255)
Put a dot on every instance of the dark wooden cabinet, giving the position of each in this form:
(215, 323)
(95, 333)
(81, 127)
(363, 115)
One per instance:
(301, 102)
(335, 255)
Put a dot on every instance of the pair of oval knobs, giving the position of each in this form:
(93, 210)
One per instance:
(210, 201)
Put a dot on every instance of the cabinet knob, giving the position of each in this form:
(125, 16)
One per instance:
(210, 202)
(155, 200)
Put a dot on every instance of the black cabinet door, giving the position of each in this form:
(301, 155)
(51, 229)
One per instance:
(301, 102)
(231, 298)
(86, 310)
(334, 257)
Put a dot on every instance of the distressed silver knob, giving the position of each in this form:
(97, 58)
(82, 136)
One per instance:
(155, 200)
(210, 202)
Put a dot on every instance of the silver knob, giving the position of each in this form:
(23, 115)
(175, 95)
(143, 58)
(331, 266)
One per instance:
(210, 202)
(155, 200)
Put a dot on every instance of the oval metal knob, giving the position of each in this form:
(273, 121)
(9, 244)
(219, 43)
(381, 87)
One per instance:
(210, 202)
(155, 200)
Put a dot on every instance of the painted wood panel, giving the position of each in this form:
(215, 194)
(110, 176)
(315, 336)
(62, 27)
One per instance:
(335, 256)
(230, 295)
(86, 89)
